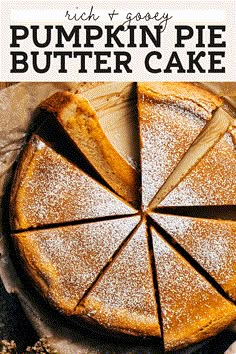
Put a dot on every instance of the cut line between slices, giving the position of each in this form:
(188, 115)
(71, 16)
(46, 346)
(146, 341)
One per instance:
(179, 276)
(81, 123)
(97, 304)
(75, 222)
(179, 249)
(115, 254)
(226, 212)
(220, 123)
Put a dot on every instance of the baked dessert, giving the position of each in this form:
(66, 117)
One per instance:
(90, 255)
(64, 262)
(191, 308)
(171, 116)
(210, 242)
(48, 189)
(124, 299)
(80, 121)
(211, 181)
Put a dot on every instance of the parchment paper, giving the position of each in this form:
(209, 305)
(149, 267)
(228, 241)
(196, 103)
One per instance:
(17, 107)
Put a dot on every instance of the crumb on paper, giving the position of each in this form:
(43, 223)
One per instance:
(40, 346)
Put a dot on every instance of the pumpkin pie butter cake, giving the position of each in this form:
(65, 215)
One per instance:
(92, 255)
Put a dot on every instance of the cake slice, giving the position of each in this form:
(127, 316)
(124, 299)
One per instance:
(123, 299)
(63, 262)
(191, 308)
(212, 181)
(80, 121)
(48, 189)
(171, 116)
(212, 243)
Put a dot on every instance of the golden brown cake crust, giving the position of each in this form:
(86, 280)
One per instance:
(186, 94)
(80, 121)
(16, 218)
(57, 102)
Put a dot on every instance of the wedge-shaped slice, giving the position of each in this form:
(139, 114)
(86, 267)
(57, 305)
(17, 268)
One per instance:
(63, 262)
(212, 181)
(171, 116)
(123, 299)
(191, 308)
(80, 121)
(212, 243)
(49, 189)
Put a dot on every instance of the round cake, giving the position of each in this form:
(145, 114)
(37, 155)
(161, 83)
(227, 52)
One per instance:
(133, 248)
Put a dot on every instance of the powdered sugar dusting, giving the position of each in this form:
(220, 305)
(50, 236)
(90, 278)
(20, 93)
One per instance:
(211, 181)
(210, 242)
(188, 302)
(172, 224)
(57, 191)
(39, 144)
(167, 131)
(73, 256)
(127, 285)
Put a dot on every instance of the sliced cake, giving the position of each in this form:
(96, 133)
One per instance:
(123, 299)
(81, 123)
(63, 262)
(191, 308)
(171, 116)
(48, 189)
(211, 181)
(92, 255)
(212, 243)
